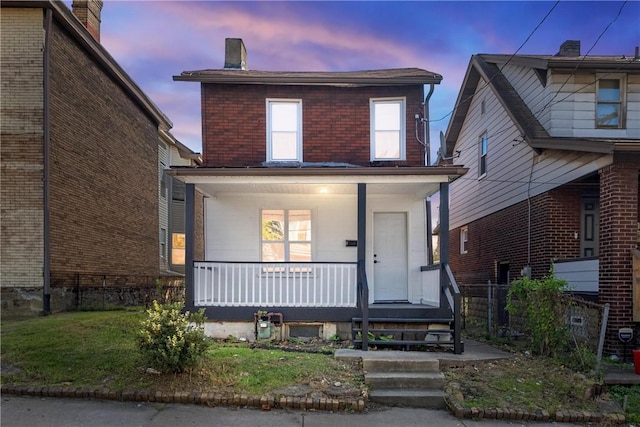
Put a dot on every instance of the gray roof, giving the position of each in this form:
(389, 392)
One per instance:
(487, 67)
(386, 77)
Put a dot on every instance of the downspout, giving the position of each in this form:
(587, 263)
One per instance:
(425, 124)
(46, 123)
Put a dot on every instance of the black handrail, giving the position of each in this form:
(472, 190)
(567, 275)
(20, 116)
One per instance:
(454, 299)
(363, 302)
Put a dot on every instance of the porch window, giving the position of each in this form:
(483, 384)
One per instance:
(286, 235)
(284, 130)
(464, 240)
(610, 103)
(387, 129)
(482, 166)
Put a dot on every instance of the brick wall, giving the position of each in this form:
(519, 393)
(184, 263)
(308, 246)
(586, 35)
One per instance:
(618, 235)
(21, 228)
(335, 123)
(503, 237)
(104, 176)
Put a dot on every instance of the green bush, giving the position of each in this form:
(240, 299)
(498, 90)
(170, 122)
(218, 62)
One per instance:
(170, 340)
(540, 303)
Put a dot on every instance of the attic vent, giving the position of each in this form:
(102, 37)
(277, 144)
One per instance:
(235, 54)
(569, 48)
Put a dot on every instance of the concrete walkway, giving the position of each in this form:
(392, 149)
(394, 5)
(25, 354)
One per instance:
(24, 411)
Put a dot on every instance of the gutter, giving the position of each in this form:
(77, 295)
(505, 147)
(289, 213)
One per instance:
(46, 123)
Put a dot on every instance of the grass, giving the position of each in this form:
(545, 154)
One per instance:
(629, 398)
(98, 349)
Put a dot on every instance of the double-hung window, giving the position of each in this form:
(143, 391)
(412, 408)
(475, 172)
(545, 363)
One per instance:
(483, 147)
(388, 129)
(284, 130)
(464, 240)
(610, 102)
(286, 235)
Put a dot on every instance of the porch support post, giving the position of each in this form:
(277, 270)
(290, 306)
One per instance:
(444, 238)
(362, 221)
(189, 229)
(444, 222)
(363, 289)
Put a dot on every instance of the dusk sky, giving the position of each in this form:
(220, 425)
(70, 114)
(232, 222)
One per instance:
(155, 40)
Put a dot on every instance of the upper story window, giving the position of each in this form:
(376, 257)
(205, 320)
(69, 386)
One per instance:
(286, 235)
(163, 180)
(482, 165)
(284, 130)
(388, 129)
(610, 108)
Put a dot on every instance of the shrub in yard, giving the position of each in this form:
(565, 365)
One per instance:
(540, 303)
(170, 340)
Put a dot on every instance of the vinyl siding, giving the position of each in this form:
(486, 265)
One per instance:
(232, 228)
(509, 165)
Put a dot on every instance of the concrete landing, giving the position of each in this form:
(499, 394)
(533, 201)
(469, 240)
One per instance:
(474, 351)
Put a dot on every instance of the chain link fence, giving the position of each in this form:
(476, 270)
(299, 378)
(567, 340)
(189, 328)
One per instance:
(484, 314)
(81, 291)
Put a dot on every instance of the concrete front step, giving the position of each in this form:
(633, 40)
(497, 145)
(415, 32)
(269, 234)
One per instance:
(430, 399)
(404, 380)
(401, 364)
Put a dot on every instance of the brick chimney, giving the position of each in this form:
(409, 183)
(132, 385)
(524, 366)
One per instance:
(569, 48)
(235, 54)
(88, 12)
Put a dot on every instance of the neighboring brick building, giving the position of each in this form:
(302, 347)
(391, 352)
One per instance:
(553, 146)
(79, 161)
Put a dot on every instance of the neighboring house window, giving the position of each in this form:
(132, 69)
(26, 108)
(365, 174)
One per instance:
(483, 107)
(286, 235)
(284, 130)
(163, 243)
(387, 129)
(610, 103)
(482, 167)
(464, 240)
(177, 248)
(163, 180)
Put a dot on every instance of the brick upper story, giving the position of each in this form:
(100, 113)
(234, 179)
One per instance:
(335, 122)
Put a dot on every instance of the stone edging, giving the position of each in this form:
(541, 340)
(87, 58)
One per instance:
(539, 415)
(198, 398)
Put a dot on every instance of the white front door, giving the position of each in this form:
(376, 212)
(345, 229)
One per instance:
(390, 256)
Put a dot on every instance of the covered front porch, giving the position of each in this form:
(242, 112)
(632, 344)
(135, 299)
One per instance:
(366, 233)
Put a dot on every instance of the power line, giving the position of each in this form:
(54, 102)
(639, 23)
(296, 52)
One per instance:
(502, 67)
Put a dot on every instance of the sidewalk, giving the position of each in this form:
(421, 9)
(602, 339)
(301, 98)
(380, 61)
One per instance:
(23, 411)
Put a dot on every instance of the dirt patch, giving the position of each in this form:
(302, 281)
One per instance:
(526, 383)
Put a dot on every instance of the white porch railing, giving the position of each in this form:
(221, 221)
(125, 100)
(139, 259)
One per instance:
(242, 284)
(431, 284)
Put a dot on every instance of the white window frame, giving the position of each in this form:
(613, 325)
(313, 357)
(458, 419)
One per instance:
(402, 152)
(620, 103)
(287, 242)
(483, 149)
(464, 240)
(270, 102)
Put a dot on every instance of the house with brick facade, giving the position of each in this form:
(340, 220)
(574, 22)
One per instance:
(552, 143)
(314, 189)
(81, 165)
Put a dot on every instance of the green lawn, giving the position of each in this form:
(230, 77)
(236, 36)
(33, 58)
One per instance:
(98, 349)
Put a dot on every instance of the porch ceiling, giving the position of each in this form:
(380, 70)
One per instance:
(419, 182)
